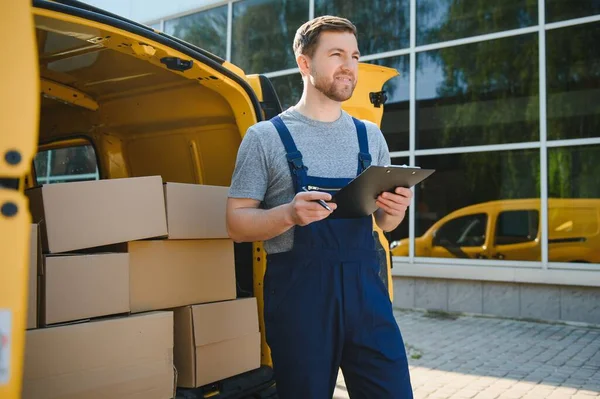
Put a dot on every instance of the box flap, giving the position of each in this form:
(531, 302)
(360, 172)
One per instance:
(222, 321)
(84, 286)
(184, 353)
(111, 358)
(196, 211)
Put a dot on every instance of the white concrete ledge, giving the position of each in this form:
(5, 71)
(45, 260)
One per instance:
(589, 278)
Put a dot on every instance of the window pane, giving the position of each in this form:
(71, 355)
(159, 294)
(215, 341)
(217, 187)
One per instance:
(478, 94)
(383, 25)
(559, 10)
(466, 186)
(401, 232)
(574, 204)
(513, 227)
(442, 20)
(207, 30)
(263, 33)
(66, 164)
(288, 89)
(395, 121)
(463, 231)
(573, 74)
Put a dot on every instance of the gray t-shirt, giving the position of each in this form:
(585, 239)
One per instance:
(329, 149)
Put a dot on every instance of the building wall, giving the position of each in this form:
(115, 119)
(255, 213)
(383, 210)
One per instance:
(514, 300)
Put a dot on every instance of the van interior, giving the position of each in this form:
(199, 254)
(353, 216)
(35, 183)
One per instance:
(117, 104)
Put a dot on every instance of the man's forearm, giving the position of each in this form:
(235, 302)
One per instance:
(252, 224)
(387, 222)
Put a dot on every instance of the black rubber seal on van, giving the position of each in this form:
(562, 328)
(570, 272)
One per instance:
(270, 101)
(79, 9)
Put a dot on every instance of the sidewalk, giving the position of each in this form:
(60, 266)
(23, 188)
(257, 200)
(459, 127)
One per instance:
(473, 357)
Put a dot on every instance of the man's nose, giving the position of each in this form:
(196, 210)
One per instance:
(348, 64)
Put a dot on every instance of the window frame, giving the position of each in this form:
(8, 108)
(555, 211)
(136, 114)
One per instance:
(486, 219)
(495, 242)
(62, 143)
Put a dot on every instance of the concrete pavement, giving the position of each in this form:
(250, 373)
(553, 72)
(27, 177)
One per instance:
(488, 358)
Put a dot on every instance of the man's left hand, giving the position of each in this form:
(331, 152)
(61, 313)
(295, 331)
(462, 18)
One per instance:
(395, 204)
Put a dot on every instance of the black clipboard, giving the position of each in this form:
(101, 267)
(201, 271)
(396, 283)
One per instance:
(357, 199)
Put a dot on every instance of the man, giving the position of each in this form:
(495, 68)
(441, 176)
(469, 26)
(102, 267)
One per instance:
(325, 305)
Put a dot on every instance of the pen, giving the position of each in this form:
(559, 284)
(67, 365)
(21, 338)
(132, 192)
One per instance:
(321, 202)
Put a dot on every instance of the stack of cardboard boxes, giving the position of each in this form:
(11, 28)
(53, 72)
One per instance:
(133, 289)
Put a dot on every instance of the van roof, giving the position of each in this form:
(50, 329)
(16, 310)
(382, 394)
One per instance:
(91, 13)
(532, 203)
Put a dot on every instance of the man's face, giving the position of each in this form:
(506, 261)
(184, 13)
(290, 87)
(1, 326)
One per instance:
(334, 65)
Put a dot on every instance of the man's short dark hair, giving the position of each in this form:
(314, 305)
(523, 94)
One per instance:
(307, 36)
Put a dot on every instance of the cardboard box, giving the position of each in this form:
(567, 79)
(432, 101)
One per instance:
(79, 287)
(35, 262)
(196, 211)
(216, 341)
(171, 273)
(129, 357)
(90, 214)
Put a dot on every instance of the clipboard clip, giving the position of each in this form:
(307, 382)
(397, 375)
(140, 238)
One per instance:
(407, 166)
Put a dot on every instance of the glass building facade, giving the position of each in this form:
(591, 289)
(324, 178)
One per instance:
(502, 98)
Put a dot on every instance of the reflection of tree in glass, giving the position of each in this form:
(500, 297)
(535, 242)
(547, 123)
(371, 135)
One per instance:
(573, 74)
(572, 171)
(263, 33)
(441, 20)
(488, 95)
(383, 25)
(489, 92)
(559, 10)
(207, 30)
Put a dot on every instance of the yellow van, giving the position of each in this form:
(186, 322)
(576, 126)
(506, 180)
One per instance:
(510, 230)
(110, 98)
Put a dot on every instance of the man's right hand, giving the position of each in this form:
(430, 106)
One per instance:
(247, 223)
(304, 208)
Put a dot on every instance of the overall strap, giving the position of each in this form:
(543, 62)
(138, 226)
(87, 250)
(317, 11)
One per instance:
(364, 157)
(294, 156)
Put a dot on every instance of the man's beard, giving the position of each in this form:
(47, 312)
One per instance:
(334, 89)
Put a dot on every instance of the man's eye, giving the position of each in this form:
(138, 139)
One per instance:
(335, 54)
(355, 57)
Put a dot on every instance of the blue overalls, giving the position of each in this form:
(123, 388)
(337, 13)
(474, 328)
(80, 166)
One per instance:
(326, 306)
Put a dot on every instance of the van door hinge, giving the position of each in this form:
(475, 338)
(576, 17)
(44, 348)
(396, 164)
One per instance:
(378, 98)
(9, 183)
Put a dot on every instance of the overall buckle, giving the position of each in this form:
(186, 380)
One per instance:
(295, 158)
(365, 160)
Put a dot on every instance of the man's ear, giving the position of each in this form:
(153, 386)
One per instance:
(304, 64)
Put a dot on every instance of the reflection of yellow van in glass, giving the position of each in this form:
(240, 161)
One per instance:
(510, 230)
